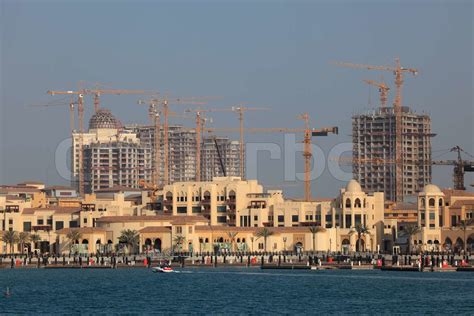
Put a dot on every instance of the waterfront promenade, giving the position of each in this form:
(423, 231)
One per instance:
(366, 261)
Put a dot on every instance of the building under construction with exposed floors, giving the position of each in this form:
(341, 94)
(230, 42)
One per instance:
(374, 157)
(117, 155)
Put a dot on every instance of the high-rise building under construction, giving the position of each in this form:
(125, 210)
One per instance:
(374, 158)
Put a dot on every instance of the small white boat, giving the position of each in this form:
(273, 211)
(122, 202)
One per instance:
(162, 269)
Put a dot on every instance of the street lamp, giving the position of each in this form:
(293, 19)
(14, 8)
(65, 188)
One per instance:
(252, 239)
(284, 243)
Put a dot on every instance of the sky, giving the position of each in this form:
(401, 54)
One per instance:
(274, 54)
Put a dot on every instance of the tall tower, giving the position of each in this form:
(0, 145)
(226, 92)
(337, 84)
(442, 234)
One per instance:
(374, 151)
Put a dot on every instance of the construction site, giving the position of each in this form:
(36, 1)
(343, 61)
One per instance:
(391, 144)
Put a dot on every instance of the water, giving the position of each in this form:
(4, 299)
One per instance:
(235, 290)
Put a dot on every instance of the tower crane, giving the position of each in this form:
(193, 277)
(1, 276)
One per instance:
(307, 152)
(383, 89)
(399, 72)
(460, 167)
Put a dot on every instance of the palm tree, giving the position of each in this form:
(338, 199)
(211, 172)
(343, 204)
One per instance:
(130, 238)
(35, 239)
(23, 238)
(314, 230)
(265, 233)
(232, 236)
(178, 241)
(463, 225)
(10, 237)
(360, 230)
(411, 230)
(73, 237)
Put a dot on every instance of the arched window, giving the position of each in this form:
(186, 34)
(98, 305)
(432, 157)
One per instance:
(422, 203)
(431, 202)
(440, 202)
(206, 240)
(348, 203)
(357, 203)
(243, 239)
(238, 240)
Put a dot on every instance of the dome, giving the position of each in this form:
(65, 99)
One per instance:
(103, 118)
(431, 189)
(353, 186)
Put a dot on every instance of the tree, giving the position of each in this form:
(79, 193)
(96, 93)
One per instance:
(232, 236)
(23, 238)
(10, 237)
(73, 237)
(130, 238)
(264, 233)
(410, 231)
(463, 225)
(178, 241)
(360, 230)
(314, 230)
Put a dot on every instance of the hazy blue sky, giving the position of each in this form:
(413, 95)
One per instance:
(266, 53)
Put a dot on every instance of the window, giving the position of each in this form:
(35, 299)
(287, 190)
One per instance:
(432, 202)
(221, 219)
(85, 220)
(348, 221)
(255, 218)
(26, 226)
(40, 221)
(357, 203)
(281, 218)
(196, 209)
(221, 209)
(181, 209)
(10, 221)
(294, 218)
(432, 215)
(179, 230)
(190, 229)
(357, 219)
(73, 224)
(348, 203)
(59, 225)
(260, 246)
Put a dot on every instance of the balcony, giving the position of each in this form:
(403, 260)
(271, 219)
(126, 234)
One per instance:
(36, 228)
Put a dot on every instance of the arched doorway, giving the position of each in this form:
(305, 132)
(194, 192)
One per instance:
(346, 245)
(459, 245)
(148, 244)
(157, 244)
(299, 247)
(448, 244)
(470, 243)
(98, 246)
(85, 246)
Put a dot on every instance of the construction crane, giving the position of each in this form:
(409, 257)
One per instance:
(307, 151)
(399, 72)
(241, 110)
(383, 89)
(460, 167)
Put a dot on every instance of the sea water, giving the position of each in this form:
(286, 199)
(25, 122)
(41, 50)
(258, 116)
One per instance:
(234, 291)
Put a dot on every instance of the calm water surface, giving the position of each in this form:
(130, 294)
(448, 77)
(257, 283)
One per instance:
(240, 290)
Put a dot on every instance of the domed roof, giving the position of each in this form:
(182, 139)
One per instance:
(353, 186)
(431, 188)
(103, 118)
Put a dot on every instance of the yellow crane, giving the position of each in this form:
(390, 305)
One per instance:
(383, 89)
